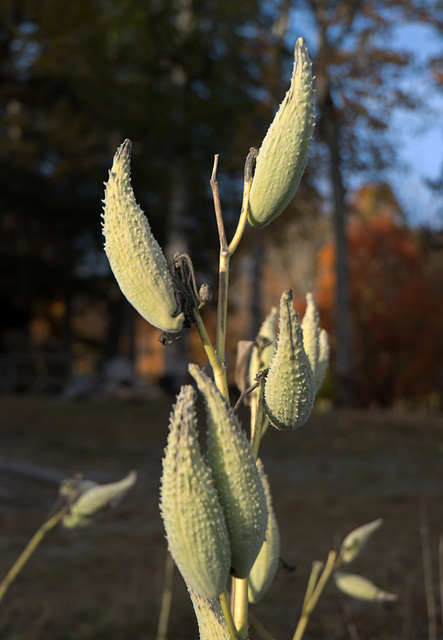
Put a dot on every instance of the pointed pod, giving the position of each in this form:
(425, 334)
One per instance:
(284, 151)
(355, 542)
(264, 346)
(290, 384)
(266, 564)
(361, 588)
(236, 477)
(192, 515)
(92, 499)
(323, 358)
(136, 259)
(315, 341)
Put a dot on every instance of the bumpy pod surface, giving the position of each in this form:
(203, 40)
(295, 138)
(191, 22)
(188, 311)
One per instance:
(266, 564)
(260, 359)
(290, 384)
(236, 477)
(210, 618)
(135, 256)
(284, 151)
(311, 332)
(192, 515)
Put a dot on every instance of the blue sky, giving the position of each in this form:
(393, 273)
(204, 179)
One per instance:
(418, 134)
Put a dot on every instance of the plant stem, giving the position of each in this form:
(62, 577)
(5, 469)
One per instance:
(219, 373)
(224, 601)
(259, 628)
(29, 550)
(240, 606)
(165, 608)
(316, 568)
(311, 603)
(226, 251)
(258, 417)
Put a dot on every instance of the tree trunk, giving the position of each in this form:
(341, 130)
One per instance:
(330, 132)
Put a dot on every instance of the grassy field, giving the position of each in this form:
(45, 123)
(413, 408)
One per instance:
(339, 471)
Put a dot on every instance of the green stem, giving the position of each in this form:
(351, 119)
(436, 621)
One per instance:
(240, 606)
(259, 627)
(316, 568)
(224, 601)
(311, 603)
(29, 550)
(219, 372)
(165, 608)
(258, 417)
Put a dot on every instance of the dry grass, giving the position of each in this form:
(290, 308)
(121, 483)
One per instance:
(341, 470)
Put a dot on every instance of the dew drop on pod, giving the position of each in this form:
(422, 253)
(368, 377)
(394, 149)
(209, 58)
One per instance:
(283, 155)
(290, 383)
(136, 259)
(192, 515)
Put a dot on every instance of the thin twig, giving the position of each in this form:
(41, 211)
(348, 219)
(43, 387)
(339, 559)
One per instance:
(259, 627)
(217, 205)
(427, 570)
(165, 608)
(30, 548)
(440, 566)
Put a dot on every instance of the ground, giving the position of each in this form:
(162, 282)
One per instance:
(339, 471)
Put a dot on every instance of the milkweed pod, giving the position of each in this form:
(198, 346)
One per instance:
(94, 499)
(290, 385)
(236, 477)
(136, 259)
(311, 332)
(284, 151)
(356, 541)
(264, 347)
(361, 588)
(323, 358)
(266, 564)
(192, 515)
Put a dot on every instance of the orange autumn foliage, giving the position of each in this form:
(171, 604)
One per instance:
(396, 291)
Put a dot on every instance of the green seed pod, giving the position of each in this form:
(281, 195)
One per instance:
(311, 332)
(266, 564)
(315, 341)
(323, 358)
(290, 384)
(135, 256)
(284, 151)
(192, 515)
(88, 499)
(261, 355)
(236, 477)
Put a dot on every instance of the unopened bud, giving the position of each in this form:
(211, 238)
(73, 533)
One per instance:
(192, 515)
(135, 256)
(284, 151)
(290, 384)
(236, 477)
